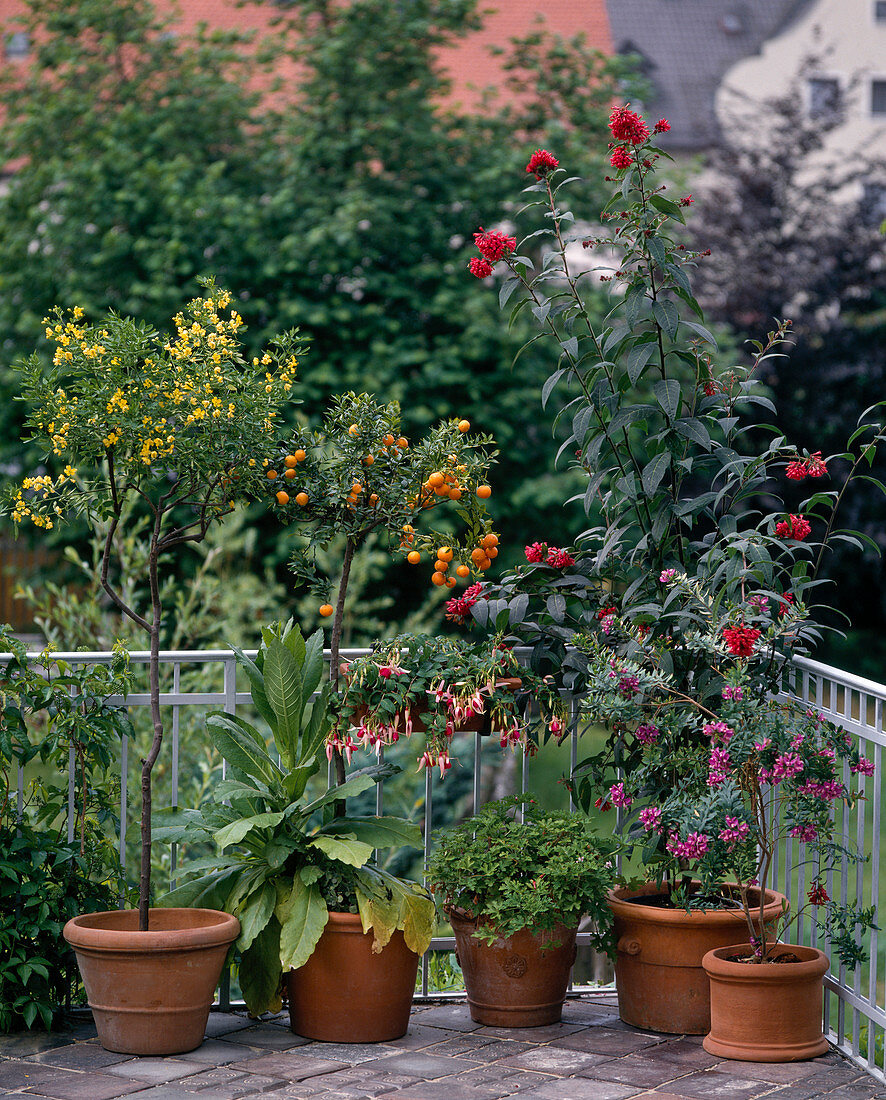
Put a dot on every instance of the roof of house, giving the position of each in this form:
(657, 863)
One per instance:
(686, 47)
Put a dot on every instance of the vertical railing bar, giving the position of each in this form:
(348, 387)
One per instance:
(429, 816)
(20, 795)
(380, 788)
(72, 768)
(478, 758)
(176, 711)
(229, 667)
(573, 747)
(873, 976)
(124, 785)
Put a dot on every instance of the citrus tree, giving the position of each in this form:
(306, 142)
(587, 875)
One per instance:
(359, 475)
(176, 424)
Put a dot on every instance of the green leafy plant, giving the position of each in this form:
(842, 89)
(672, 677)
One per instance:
(177, 423)
(437, 684)
(286, 859)
(546, 869)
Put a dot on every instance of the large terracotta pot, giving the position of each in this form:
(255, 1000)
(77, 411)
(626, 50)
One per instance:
(515, 982)
(659, 976)
(150, 992)
(345, 993)
(766, 1012)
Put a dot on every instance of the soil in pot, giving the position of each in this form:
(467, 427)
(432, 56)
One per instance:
(346, 993)
(150, 992)
(766, 1012)
(659, 976)
(519, 981)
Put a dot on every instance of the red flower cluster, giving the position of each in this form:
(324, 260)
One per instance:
(627, 125)
(480, 267)
(535, 552)
(605, 612)
(493, 245)
(541, 162)
(801, 468)
(458, 609)
(788, 598)
(740, 639)
(686, 201)
(550, 555)
(661, 127)
(817, 894)
(621, 158)
(794, 527)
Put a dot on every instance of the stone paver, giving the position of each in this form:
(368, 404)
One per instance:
(445, 1055)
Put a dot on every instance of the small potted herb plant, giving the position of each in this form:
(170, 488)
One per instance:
(311, 906)
(441, 686)
(170, 425)
(514, 882)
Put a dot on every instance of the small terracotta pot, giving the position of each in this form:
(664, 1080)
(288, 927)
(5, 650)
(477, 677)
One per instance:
(515, 982)
(659, 976)
(150, 992)
(766, 1012)
(345, 993)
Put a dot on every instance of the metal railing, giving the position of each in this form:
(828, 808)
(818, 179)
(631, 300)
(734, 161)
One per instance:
(855, 1005)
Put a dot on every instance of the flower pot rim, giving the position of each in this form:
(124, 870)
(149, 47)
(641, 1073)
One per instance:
(464, 917)
(813, 964)
(621, 905)
(117, 930)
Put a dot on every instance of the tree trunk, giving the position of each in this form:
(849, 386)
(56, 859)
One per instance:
(144, 882)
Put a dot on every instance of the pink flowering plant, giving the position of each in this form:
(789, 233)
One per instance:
(434, 686)
(694, 578)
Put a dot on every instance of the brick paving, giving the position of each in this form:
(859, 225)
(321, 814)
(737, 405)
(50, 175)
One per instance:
(592, 1055)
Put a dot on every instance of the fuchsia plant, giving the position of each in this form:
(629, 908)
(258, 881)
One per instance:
(686, 595)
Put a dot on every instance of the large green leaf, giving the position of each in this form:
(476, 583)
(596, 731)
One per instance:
(257, 685)
(312, 670)
(237, 830)
(260, 971)
(378, 832)
(240, 744)
(358, 782)
(255, 913)
(392, 903)
(207, 892)
(283, 687)
(302, 914)
(235, 790)
(173, 825)
(345, 849)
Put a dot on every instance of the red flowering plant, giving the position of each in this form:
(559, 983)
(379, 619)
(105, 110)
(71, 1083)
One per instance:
(691, 566)
(438, 687)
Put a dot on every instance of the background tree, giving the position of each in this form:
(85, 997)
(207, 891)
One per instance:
(341, 201)
(794, 232)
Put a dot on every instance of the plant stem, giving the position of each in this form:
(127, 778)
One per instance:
(334, 649)
(144, 882)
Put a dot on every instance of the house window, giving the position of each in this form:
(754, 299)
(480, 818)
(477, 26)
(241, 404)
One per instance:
(878, 97)
(880, 11)
(17, 46)
(824, 96)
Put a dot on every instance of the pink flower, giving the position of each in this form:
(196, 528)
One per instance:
(493, 245)
(718, 767)
(863, 767)
(828, 791)
(693, 847)
(667, 575)
(628, 686)
(740, 639)
(794, 527)
(385, 671)
(480, 267)
(559, 559)
(541, 162)
(661, 127)
(626, 125)
(735, 832)
(647, 734)
(733, 693)
(686, 201)
(621, 158)
(536, 551)
(787, 765)
(618, 796)
(555, 726)
(804, 833)
(650, 818)
(715, 729)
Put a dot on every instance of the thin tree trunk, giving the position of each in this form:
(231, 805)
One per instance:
(334, 649)
(144, 883)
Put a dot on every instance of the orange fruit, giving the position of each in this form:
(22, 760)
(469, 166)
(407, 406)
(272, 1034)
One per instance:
(289, 474)
(436, 479)
(484, 563)
(290, 461)
(444, 553)
(438, 579)
(441, 490)
(326, 610)
(388, 440)
(299, 455)
(356, 488)
(484, 492)
(368, 460)
(463, 570)
(402, 443)
(450, 582)
(353, 430)
(282, 498)
(492, 552)
(270, 474)
(373, 498)
(478, 554)
(464, 425)
(441, 566)
(413, 557)
(489, 540)
(301, 498)
(455, 494)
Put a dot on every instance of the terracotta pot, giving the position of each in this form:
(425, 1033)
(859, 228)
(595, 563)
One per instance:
(515, 982)
(346, 994)
(150, 992)
(659, 976)
(766, 1012)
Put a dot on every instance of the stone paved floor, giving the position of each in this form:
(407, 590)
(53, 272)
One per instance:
(590, 1056)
